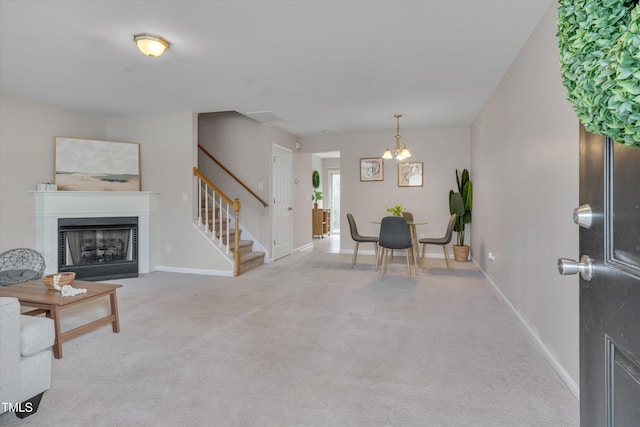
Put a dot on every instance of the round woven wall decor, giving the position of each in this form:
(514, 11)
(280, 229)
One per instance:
(599, 48)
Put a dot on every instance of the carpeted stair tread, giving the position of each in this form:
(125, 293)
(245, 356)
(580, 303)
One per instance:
(251, 260)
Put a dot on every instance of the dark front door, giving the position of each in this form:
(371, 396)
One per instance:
(610, 299)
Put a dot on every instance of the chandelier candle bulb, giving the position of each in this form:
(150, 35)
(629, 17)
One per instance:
(401, 151)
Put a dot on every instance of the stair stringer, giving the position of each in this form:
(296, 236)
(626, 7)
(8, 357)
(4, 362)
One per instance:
(257, 246)
(227, 256)
(218, 258)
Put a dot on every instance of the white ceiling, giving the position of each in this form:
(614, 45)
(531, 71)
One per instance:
(321, 66)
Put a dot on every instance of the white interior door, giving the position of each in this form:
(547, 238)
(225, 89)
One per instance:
(282, 202)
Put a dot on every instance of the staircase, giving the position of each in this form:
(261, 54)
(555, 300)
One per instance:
(249, 259)
(219, 219)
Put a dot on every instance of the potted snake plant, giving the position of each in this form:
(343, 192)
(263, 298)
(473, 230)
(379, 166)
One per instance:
(460, 203)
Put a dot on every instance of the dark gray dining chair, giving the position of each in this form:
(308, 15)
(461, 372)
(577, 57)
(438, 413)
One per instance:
(357, 238)
(395, 234)
(408, 216)
(442, 241)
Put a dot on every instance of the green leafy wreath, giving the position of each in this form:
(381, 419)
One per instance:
(599, 48)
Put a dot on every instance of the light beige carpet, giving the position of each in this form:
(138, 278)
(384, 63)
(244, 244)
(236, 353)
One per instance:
(305, 341)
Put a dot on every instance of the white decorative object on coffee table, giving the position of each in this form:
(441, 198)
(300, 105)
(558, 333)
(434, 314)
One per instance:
(69, 291)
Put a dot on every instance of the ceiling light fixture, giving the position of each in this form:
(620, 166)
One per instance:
(151, 46)
(401, 150)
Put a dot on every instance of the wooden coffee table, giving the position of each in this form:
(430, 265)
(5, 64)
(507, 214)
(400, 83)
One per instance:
(44, 300)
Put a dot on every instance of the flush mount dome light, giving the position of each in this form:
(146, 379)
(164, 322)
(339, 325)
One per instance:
(151, 46)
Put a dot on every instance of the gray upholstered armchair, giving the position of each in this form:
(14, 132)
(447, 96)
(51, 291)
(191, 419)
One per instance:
(25, 358)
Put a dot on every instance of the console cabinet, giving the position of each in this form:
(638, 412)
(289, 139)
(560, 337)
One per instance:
(321, 222)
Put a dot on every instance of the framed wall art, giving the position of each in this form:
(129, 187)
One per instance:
(410, 174)
(93, 165)
(372, 169)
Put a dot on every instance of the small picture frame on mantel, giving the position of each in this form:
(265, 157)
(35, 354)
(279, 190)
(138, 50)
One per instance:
(410, 174)
(371, 169)
(47, 186)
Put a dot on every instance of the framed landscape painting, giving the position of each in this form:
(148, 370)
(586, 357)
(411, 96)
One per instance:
(372, 169)
(410, 174)
(93, 165)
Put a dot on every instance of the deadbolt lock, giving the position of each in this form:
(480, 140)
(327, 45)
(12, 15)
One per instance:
(583, 216)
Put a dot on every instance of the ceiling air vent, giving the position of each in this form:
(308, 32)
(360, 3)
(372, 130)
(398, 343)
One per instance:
(263, 116)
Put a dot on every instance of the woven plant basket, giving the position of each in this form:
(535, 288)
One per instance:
(461, 253)
(65, 278)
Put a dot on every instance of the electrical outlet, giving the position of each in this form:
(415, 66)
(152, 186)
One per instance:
(168, 247)
(491, 257)
(185, 197)
(421, 236)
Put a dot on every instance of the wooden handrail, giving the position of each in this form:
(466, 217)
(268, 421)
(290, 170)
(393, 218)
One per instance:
(204, 150)
(234, 203)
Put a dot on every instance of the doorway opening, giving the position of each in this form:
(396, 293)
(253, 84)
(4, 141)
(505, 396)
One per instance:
(334, 188)
(328, 165)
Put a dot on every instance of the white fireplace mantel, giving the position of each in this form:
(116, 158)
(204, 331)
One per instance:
(52, 205)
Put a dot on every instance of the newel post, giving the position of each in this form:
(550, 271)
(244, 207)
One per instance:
(236, 249)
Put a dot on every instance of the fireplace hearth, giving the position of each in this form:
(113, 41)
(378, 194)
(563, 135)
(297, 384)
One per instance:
(98, 248)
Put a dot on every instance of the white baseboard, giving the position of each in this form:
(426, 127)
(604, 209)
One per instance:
(573, 387)
(195, 271)
(303, 247)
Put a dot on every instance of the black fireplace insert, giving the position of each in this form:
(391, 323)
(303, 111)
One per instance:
(98, 248)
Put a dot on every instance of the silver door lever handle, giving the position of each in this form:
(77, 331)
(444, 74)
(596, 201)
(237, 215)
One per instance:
(568, 266)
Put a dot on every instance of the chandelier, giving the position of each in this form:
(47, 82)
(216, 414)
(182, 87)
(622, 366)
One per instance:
(401, 151)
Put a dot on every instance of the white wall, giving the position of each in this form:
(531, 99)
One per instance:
(27, 132)
(441, 150)
(524, 158)
(168, 154)
(242, 145)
